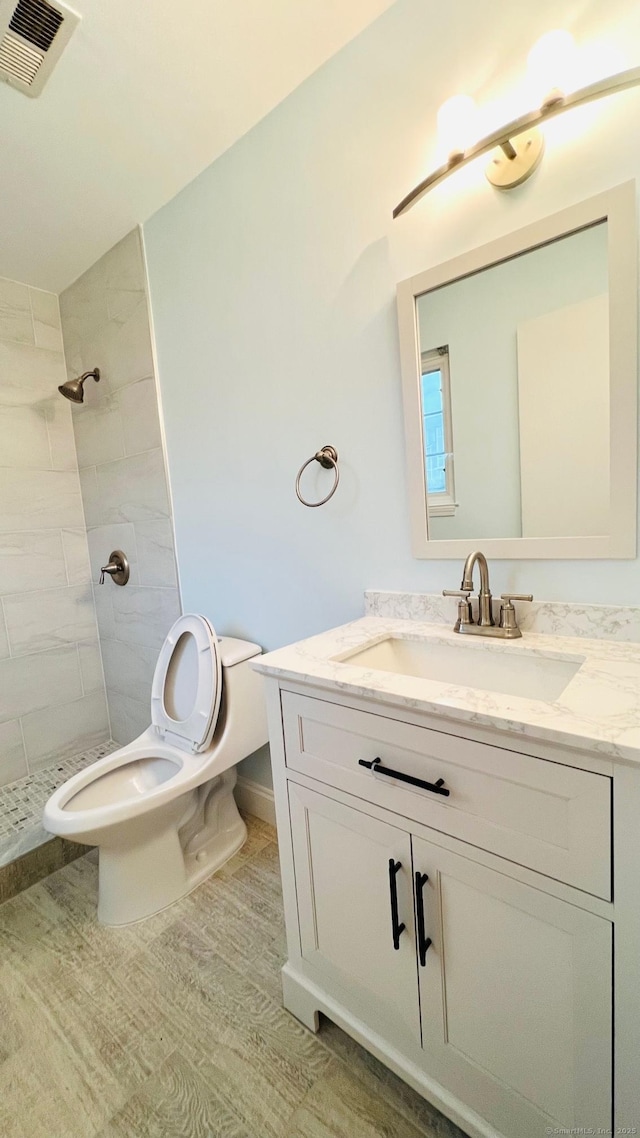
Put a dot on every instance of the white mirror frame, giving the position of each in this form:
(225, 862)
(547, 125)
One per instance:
(618, 208)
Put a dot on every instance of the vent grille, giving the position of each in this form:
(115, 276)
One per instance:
(19, 60)
(37, 22)
(33, 35)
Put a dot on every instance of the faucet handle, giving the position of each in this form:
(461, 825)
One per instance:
(508, 618)
(465, 615)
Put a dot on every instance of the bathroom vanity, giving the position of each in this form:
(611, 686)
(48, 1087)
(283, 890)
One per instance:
(460, 861)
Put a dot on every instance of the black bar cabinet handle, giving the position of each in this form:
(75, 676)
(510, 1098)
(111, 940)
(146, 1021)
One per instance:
(396, 928)
(376, 766)
(424, 941)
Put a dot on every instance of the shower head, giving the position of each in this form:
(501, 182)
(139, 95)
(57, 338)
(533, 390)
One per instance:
(73, 389)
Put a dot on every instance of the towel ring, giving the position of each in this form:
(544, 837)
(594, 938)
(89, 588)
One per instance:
(327, 456)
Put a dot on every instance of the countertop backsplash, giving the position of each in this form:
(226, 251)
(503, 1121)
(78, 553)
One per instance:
(553, 618)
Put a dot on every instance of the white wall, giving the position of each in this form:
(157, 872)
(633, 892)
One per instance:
(564, 401)
(272, 282)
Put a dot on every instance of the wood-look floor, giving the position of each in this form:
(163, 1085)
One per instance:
(174, 1028)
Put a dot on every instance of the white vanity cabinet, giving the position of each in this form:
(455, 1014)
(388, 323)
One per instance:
(465, 938)
(349, 866)
(516, 997)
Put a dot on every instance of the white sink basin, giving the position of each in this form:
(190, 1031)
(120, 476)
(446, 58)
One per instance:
(511, 672)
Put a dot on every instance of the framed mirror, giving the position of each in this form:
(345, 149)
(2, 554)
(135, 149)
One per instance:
(519, 371)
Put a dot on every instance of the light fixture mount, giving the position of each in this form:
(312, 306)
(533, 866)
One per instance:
(515, 161)
(512, 134)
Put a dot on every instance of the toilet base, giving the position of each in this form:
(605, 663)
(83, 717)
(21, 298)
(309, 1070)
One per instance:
(169, 856)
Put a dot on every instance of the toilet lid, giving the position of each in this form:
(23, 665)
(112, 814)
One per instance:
(187, 684)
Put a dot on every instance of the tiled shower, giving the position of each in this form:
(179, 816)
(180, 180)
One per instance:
(122, 475)
(76, 481)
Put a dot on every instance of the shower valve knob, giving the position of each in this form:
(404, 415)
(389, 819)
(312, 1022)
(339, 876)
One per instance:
(117, 568)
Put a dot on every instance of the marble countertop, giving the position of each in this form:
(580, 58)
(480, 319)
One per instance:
(599, 710)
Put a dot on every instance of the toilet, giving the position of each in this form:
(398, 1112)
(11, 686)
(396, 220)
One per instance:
(161, 809)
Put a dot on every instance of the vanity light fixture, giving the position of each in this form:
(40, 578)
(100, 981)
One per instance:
(518, 145)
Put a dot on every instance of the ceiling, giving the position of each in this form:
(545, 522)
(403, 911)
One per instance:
(144, 97)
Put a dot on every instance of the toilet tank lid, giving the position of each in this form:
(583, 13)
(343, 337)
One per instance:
(232, 651)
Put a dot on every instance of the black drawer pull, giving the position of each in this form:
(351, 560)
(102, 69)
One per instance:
(424, 941)
(396, 928)
(376, 766)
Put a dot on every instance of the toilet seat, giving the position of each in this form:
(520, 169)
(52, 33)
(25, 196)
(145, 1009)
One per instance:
(187, 685)
(63, 818)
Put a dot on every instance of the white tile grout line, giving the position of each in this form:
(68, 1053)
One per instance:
(24, 747)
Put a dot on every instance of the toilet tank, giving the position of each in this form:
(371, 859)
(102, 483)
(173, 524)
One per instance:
(242, 723)
(233, 652)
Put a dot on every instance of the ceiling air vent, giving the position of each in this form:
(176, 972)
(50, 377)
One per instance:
(33, 34)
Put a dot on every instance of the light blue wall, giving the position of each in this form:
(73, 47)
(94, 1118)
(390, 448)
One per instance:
(272, 282)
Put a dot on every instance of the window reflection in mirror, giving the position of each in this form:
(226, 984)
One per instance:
(437, 431)
(515, 395)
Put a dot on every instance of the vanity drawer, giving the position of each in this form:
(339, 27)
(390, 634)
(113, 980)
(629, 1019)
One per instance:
(540, 814)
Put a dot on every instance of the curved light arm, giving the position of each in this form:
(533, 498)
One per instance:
(502, 136)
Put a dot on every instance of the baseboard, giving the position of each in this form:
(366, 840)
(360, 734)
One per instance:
(256, 799)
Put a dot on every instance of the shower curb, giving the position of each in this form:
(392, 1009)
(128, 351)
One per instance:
(32, 867)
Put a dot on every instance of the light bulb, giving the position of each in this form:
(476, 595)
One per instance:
(551, 67)
(457, 129)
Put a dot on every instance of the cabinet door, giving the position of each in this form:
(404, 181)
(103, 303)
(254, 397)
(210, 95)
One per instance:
(354, 889)
(516, 997)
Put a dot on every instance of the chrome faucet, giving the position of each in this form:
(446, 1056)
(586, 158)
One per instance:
(507, 628)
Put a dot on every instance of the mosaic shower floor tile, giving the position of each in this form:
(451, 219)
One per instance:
(22, 802)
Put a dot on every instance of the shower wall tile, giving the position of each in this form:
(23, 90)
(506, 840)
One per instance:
(4, 642)
(25, 368)
(83, 308)
(33, 683)
(55, 733)
(76, 556)
(121, 347)
(133, 489)
(124, 277)
(156, 559)
(140, 418)
(89, 492)
(25, 438)
(144, 615)
(126, 348)
(46, 319)
(60, 430)
(16, 321)
(39, 499)
(105, 324)
(128, 670)
(91, 672)
(49, 619)
(13, 759)
(30, 561)
(104, 539)
(122, 302)
(49, 660)
(129, 717)
(98, 431)
(104, 610)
